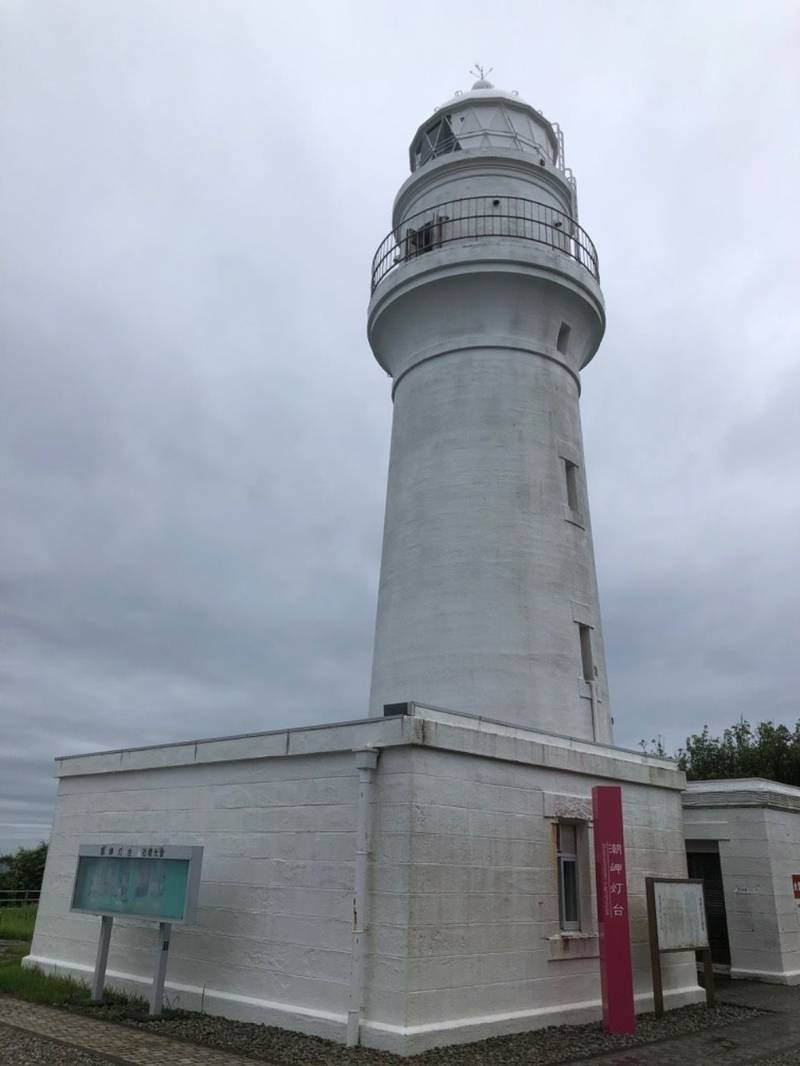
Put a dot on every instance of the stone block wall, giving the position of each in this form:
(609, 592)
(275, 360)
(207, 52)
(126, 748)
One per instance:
(275, 906)
(484, 946)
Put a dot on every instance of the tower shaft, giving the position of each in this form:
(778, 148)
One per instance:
(486, 306)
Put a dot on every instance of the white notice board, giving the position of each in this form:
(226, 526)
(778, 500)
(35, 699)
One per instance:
(680, 915)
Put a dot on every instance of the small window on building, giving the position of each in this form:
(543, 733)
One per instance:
(569, 912)
(587, 663)
(571, 476)
(563, 338)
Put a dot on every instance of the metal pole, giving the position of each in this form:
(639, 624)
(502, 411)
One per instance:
(162, 951)
(99, 979)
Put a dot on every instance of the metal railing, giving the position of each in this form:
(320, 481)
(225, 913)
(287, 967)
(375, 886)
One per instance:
(476, 217)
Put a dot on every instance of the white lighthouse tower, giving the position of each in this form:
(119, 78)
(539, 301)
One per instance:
(486, 306)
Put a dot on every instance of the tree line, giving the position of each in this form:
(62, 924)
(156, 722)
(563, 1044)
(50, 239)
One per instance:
(23, 871)
(742, 750)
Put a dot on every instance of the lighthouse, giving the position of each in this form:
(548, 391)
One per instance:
(425, 875)
(486, 306)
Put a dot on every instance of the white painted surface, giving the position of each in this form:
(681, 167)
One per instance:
(462, 881)
(484, 565)
(680, 916)
(484, 581)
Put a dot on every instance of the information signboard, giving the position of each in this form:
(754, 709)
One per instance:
(676, 919)
(680, 915)
(154, 883)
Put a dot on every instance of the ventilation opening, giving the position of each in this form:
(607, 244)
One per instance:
(571, 475)
(587, 663)
(563, 338)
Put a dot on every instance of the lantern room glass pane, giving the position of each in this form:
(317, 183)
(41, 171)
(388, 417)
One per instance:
(438, 139)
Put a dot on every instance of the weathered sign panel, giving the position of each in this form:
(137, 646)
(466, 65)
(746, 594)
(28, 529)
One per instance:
(680, 915)
(156, 883)
(676, 921)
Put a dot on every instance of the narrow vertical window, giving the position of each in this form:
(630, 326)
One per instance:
(587, 663)
(571, 475)
(563, 338)
(568, 888)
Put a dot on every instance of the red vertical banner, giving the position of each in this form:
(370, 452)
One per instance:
(616, 975)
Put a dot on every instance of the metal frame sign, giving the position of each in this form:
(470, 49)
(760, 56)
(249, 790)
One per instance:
(676, 919)
(616, 974)
(151, 883)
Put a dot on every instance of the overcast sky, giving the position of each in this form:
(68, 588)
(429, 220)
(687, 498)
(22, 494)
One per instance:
(193, 431)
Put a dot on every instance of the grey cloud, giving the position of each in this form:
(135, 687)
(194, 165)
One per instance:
(194, 436)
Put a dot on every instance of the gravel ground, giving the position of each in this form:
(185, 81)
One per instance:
(542, 1047)
(18, 1048)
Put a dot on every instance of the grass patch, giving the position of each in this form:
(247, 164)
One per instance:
(35, 986)
(16, 923)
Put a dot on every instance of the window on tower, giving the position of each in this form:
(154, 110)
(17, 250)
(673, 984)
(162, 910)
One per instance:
(563, 338)
(571, 480)
(587, 660)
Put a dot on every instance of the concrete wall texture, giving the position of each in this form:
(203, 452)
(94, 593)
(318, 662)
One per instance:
(756, 825)
(463, 938)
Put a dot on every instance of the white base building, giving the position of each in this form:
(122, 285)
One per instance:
(463, 917)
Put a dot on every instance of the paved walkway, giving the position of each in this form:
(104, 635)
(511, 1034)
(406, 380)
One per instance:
(761, 1041)
(771, 1040)
(115, 1043)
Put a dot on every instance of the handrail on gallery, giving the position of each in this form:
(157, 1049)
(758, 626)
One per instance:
(476, 217)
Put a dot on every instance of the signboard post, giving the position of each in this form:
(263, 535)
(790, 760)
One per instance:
(676, 919)
(157, 991)
(152, 883)
(99, 979)
(616, 975)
